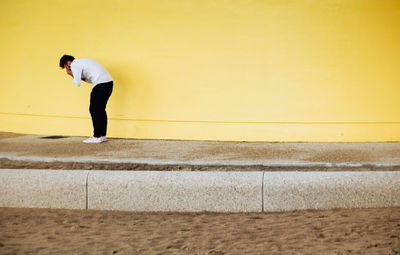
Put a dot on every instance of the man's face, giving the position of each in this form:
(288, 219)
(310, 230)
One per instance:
(68, 67)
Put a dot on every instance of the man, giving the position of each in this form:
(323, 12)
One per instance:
(92, 72)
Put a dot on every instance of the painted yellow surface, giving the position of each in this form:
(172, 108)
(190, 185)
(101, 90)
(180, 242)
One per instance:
(266, 70)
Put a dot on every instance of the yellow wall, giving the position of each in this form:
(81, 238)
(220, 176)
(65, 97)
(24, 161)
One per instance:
(266, 70)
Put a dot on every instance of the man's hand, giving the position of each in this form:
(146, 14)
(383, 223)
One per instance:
(69, 72)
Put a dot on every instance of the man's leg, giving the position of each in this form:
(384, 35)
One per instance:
(98, 101)
(95, 97)
(107, 89)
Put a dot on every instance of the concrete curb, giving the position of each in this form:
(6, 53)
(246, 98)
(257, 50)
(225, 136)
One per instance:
(43, 189)
(175, 191)
(286, 191)
(198, 191)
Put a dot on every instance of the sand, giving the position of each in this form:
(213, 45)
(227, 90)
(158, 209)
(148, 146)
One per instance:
(21, 164)
(339, 231)
(4, 135)
(165, 151)
(16, 152)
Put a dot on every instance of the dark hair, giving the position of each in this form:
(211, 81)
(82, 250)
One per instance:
(64, 59)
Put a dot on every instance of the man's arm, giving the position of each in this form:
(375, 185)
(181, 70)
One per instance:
(76, 73)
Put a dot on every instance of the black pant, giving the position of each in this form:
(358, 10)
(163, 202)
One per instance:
(98, 101)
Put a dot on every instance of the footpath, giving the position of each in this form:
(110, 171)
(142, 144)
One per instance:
(162, 175)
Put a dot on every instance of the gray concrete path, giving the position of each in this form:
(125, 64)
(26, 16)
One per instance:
(162, 152)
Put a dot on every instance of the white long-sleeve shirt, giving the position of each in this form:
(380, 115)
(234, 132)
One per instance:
(89, 71)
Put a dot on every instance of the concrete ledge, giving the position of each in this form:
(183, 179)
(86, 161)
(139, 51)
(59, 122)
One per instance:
(175, 191)
(198, 191)
(43, 189)
(287, 191)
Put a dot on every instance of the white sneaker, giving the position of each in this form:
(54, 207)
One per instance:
(103, 138)
(93, 140)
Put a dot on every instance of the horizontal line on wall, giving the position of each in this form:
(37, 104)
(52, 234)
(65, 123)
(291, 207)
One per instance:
(211, 121)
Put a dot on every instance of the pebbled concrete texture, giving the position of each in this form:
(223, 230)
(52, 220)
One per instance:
(43, 189)
(287, 191)
(198, 191)
(175, 191)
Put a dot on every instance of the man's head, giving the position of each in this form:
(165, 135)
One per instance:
(65, 61)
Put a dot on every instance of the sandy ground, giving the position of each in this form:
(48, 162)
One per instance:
(339, 231)
(4, 135)
(186, 151)
(71, 153)
(18, 164)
